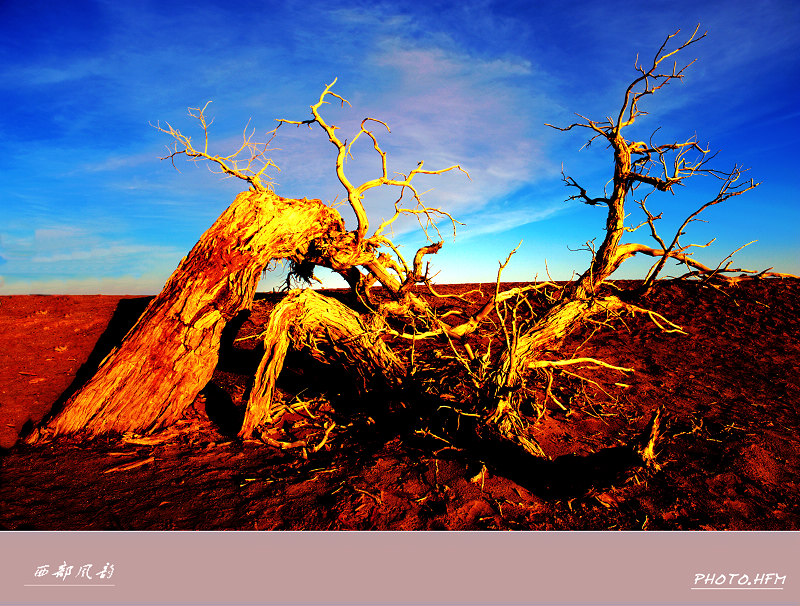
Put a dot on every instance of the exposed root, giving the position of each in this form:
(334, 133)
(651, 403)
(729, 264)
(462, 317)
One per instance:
(512, 426)
(332, 333)
(651, 434)
(593, 361)
(656, 318)
(298, 424)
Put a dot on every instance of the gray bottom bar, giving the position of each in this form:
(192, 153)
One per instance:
(447, 568)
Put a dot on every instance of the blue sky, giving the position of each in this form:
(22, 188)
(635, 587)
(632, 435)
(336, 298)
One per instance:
(86, 206)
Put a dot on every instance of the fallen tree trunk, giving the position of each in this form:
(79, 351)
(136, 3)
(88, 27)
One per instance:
(171, 352)
(333, 334)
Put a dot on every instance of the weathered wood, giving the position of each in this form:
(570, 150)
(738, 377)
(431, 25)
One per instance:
(549, 332)
(171, 352)
(333, 334)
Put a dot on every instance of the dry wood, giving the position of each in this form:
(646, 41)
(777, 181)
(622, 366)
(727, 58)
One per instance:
(171, 352)
(651, 434)
(170, 355)
(332, 333)
(132, 465)
(660, 167)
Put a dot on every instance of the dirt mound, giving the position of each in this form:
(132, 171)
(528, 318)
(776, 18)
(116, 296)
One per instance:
(729, 456)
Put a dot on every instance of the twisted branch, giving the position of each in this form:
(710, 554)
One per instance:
(355, 194)
(248, 162)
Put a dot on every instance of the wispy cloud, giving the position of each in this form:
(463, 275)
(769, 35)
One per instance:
(47, 74)
(467, 83)
(72, 251)
(500, 221)
(116, 162)
(99, 254)
(445, 105)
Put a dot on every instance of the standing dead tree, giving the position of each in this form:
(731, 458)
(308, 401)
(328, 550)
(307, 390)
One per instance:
(640, 168)
(169, 356)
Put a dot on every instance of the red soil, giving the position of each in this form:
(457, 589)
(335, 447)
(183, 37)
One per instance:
(730, 454)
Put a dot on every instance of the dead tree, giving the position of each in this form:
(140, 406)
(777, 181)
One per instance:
(640, 168)
(170, 355)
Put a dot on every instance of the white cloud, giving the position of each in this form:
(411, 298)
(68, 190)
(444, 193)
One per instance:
(46, 75)
(64, 253)
(97, 253)
(117, 161)
(504, 220)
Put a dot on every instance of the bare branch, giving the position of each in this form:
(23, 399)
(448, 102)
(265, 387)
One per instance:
(583, 196)
(355, 194)
(652, 80)
(592, 361)
(249, 162)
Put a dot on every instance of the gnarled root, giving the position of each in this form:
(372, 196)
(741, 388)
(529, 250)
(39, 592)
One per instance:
(332, 333)
(512, 426)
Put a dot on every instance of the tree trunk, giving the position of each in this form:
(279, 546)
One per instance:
(332, 333)
(528, 348)
(550, 332)
(171, 352)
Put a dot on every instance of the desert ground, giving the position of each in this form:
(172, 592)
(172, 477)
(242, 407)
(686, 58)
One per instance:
(729, 456)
